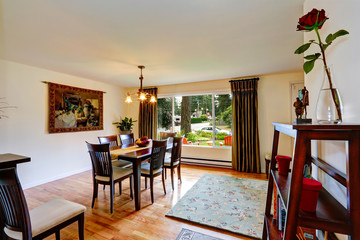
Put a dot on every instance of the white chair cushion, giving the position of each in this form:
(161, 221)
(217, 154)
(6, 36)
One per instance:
(121, 163)
(167, 161)
(168, 164)
(145, 169)
(118, 172)
(49, 215)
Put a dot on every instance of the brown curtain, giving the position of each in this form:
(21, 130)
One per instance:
(245, 148)
(148, 116)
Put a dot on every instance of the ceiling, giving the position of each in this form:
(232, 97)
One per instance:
(177, 41)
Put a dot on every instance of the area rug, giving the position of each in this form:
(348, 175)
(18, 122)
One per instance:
(187, 234)
(227, 203)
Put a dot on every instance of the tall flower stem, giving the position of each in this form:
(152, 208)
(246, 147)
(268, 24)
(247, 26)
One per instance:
(332, 90)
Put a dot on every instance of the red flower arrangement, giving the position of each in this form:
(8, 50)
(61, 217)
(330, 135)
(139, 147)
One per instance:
(314, 20)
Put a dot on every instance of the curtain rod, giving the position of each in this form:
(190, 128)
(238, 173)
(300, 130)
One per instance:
(58, 83)
(246, 79)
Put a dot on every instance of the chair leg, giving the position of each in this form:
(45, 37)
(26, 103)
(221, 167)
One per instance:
(163, 181)
(112, 197)
(165, 172)
(120, 188)
(152, 189)
(57, 235)
(179, 173)
(104, 187)
(95, 193)
(131, 187)
(81, 224)
(172, 178)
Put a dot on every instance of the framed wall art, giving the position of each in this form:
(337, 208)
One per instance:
(73, 109)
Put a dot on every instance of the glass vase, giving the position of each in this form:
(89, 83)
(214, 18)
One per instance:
(329, 108)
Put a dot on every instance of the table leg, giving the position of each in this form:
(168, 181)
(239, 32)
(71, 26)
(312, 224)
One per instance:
(137, 183)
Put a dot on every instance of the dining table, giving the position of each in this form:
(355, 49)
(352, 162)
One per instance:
(136, 155)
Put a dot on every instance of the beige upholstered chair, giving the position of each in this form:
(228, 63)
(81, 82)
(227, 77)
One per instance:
(42, 221)
(173, 160)
(105, 173)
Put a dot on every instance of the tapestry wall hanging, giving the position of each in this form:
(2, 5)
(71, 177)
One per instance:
(73, 109)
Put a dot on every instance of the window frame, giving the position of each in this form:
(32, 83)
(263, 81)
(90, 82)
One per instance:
(212, 93)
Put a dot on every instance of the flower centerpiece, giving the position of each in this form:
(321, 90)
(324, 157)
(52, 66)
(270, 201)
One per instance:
(313, 21)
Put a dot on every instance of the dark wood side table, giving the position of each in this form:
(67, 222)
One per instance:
(9, 160)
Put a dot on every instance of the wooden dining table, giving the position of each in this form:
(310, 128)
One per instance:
(136, 155)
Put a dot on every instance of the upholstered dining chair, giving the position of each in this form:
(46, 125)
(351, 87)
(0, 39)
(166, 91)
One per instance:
(112, 140)
(173, 160)
(155, 167)
(105, 173)
(126, 139)
(40, 222)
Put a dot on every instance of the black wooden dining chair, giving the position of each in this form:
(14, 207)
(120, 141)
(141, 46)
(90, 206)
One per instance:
(173, 160)
(155, 167)
(126, 139)
(40, 222)
(112, 140)
(105, 173)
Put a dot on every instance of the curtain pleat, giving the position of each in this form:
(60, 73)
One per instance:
(245, 150)
(148, 116)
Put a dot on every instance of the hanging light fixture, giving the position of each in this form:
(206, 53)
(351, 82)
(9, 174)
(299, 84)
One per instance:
(141, 94)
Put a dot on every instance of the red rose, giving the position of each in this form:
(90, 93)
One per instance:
(313, 19)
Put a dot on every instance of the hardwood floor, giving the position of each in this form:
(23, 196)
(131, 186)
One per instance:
(126, 223)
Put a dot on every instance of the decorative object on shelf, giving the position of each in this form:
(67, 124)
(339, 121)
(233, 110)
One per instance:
(143, 142)
(283, 164)
(142, 95)
(73, 109)
(4, 105)
(125, 125)
(310, 194)
(302, 101)
(314, 20)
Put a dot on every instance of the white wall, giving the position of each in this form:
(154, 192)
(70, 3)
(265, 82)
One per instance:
(53, 156)
(274, 105)
(343, 55)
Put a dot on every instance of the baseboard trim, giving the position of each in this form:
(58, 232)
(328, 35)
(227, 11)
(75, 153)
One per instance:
(60, 176)
(206, 162)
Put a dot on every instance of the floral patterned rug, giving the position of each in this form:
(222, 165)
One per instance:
(187, 234)
(228, 203)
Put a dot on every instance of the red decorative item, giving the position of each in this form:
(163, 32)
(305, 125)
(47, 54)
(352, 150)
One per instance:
(283, 164)
(310, 194)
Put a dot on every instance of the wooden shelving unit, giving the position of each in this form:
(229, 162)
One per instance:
(330, 215)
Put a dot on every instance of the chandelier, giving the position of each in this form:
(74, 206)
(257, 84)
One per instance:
(141, 94)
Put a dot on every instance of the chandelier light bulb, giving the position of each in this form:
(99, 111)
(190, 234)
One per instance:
(152, 99)
(128, 99)
(142, 96)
